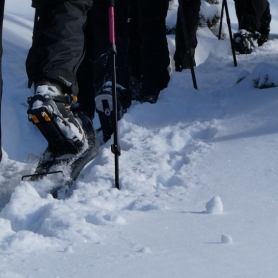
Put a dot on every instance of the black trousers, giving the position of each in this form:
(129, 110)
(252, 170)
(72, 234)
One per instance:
(148, 53)
(191, 15)
(253, 15)
(1, 82)
(70, 43)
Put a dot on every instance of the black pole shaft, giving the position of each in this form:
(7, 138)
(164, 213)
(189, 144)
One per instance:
(230, 31)
(115, 148)
(225, 6)
(1, 80)
(185, 35)
(221, 20)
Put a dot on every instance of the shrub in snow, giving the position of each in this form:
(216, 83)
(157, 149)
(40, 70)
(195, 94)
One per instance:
(263, 76)
(264, 82)
(226, 239)
(214, 206)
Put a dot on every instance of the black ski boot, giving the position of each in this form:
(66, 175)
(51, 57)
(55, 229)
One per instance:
(49, 110)
(104, 107)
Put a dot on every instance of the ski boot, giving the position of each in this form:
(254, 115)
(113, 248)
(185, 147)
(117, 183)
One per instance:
(245, 41)
(49, 110)
(104, 107)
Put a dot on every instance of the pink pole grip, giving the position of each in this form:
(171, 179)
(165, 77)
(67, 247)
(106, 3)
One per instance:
(111, 25)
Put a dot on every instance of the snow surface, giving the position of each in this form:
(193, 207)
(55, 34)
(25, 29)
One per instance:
(214, 148)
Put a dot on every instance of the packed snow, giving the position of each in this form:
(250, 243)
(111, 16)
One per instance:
(198, 174)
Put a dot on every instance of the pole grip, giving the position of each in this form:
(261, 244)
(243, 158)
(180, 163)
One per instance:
(112, 39)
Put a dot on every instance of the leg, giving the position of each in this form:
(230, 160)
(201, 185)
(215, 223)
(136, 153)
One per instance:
(58, 44)
(265, 25)
(85, 75)
(134, 47)
(52, 62)
(191, 12)
(155, 54)
(249, 13)
(253, 23)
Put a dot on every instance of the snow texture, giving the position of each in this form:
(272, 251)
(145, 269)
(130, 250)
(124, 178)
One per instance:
(183, 160)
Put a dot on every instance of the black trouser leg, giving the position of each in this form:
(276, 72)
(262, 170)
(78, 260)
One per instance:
(265, 21)
(58, 43)
(191, 14)
(154, 47)
(134, 48)
(249, 13)
(85, 75)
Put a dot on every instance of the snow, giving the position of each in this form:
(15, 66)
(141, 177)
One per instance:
(198, 175)
(214, 206)
(226, 239)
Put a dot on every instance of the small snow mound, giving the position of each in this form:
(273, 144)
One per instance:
(263, 76)
(214, 206)
(145, 250)
(226, 239)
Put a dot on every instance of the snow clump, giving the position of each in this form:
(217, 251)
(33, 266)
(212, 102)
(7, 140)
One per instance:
(226, 239)
(214, 206)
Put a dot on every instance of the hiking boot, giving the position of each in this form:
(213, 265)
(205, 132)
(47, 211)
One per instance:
(49, 110)
(245, 41)
(104, 107)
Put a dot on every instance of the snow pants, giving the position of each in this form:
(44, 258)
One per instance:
(70, 42)
(253, 15)
(191, 15)
(148, 53)
(1, 81)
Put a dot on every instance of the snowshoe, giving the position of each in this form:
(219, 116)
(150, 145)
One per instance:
(72, 140)
(69, 164)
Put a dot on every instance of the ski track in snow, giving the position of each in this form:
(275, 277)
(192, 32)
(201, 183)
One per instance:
(161, 144)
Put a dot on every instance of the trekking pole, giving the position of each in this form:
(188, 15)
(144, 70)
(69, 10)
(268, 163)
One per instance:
(115, 148)
(1, 81)
(221, 20)
(187, 47)
(225, 6)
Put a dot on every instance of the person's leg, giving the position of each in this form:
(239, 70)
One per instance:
(155, 53)
(191, 15)
(265, 26)
(253, 18)
(51, 64)
(58, 44)
(1, 81)
(85, 75)
(249, 14)
(134, 47)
